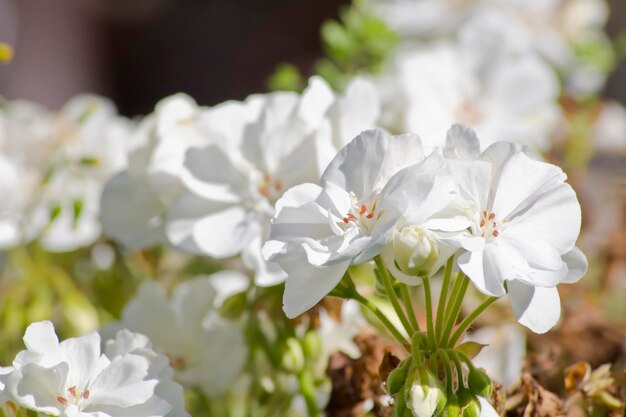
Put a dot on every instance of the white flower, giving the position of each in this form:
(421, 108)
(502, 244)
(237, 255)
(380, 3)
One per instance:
(502, 94)
(503, 355)
(134, 201)
(319, 231)
(525, 222)
(73, 378)
(127, 342)
(205, 350)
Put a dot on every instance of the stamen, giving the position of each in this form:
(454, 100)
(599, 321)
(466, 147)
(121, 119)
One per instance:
(345, 220)
(72, 390)
(62, 400)
(369, 216)
(278, 185)
(495, 233)
(363, 209)
(86, 394)
(482, 223)
(492, 216)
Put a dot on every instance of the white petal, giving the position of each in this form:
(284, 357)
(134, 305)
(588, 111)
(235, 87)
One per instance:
(306, 285)
(537, 308)
(461, 143)
(473, 265)
(41, 338)
(82, 355)
(123, 383)
(37, 388)
(182, 217)
(577, 265)
(523, 181)
(225, 233)
(486, 409)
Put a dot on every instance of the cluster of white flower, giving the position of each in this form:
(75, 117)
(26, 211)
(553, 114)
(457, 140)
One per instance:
(511, 220)
(54, 166)
(559, 31)
(74, 378)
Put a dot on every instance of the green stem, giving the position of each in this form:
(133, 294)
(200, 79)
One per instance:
(307, 389)
(381, 316)
(459, 367)
(467, 322)
(458, 293)
(446, 364)
(443, 298)
(430, 331)
(391, 293)
(408, 305)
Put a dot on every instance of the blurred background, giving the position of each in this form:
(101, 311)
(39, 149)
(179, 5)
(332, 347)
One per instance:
(139, 51)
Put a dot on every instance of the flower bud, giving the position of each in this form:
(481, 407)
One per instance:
(424, 394)
(397, 377)
(469, 404)
(293, 356)
(415, 250)
(233, 306)
(311, 344)
(479, 383)
(452, 406)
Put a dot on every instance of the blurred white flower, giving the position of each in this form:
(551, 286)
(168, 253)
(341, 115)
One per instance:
(127, 342)
(54, 165)
(477, 81)
(73, 378)
(525, 222)
(204, 349)
(134, 201)
(504, 353)
(609, 128)
(319, 231)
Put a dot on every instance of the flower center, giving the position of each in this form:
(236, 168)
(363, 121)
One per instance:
(469, 113)
(73, 396)
(488, 225)
(270, 188)
(177, 361)
(360, 215)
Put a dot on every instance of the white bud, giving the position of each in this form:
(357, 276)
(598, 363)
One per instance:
(415, 250)
(425, 396)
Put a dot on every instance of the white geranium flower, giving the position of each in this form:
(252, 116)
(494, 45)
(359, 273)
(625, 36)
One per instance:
(319, 231)
(73, 378)
(204, 349)
(135, 200)
(525, 222)
(127, 342)
(234, 182)
(458, 82)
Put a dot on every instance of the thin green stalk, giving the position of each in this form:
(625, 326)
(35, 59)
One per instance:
(307, 389)
(430, 331)
(461, 288)
(467, 322)
(381, 316)
(446, 364)
(459, 367)
(443, 295)
(408, 305)
(391, 293)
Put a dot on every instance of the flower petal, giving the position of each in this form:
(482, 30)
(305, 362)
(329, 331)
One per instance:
(537, 308)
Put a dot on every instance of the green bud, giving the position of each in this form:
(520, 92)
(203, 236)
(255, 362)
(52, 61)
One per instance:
(415, 250)
(311, 345)
(233, 306)
(293, 356)
(452, 406)
(470, 407)
(479, 383)
(424, 393)
(397, 377)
